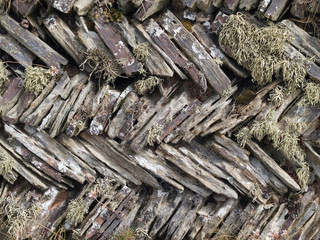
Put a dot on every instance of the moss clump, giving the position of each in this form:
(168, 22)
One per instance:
(104, 68)
(258, 129)
(36, 79)
(76, 211)
(6, 164)
(286, 141)
(277, 95)
(312, 93)
(261, 50)
(246, 97)
(154, 135)
(141, 51)
(303, 175)
(147, 85)
(294, 127)
(243, 136)
(102, 186)
(3, 74)
(19, 217)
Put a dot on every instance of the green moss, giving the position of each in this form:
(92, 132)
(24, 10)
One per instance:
(303, 176)
(187, 24)
(287, 141)
(246, 97)
(102, 67)
(154, 134)
(147, 85)
(289, 144)
(76, 211)
(58, 234)
(36, 79)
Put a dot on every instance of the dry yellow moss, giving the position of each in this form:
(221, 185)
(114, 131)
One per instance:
(277, 95)
(6, 163)
(76, 211)
(147, 85)
(261, 50)
(243, 136)
(312, 93)
(141, 51)
(36, 79)
(154, 134)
